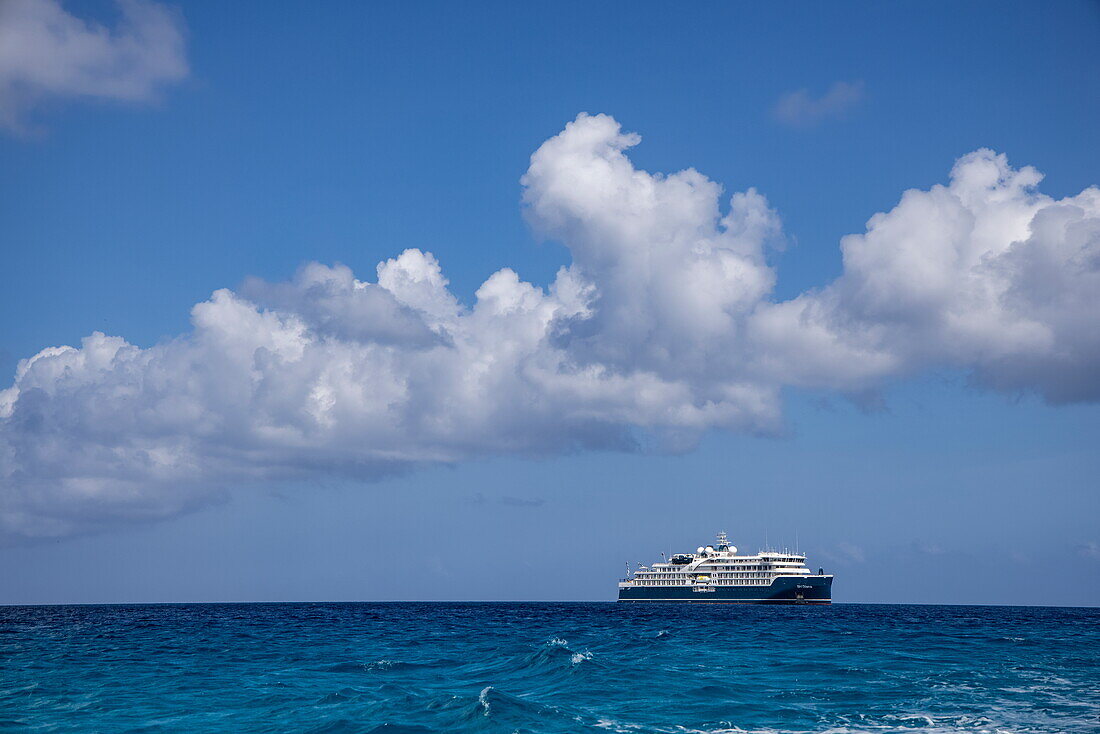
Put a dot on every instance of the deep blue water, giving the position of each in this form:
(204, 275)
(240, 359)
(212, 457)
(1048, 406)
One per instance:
(549, 668)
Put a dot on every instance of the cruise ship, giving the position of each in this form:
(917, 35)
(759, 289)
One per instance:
(715, 573)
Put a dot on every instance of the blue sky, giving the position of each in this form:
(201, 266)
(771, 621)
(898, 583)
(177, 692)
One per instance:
(350, 133)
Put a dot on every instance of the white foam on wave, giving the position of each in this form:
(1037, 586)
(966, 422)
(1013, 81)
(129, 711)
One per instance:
(483, 700)
(904, 724)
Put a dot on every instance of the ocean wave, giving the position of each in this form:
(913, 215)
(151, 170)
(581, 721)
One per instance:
(553, 655)
(556, 669)
(519, 714)
(336, 726)
(344, 695)
(382, 666)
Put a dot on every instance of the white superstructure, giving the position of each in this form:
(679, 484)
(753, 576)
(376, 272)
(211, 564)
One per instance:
(719, 565)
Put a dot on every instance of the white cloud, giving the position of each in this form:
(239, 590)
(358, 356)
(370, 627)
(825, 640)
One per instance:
(800, 109)
(45, 52)
(1090, 550)
(984, 274)
(845, 554)
(925, 548)
(661, 328)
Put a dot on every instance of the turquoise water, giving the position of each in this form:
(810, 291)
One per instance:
(549, 668)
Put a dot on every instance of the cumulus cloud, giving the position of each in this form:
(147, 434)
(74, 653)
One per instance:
(800, 109)
(984, 274)
(45, 52)
(663, 326)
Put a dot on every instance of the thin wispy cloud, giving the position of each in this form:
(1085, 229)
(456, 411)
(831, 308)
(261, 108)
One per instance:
(1090, 550)
(663, 326)
(46, 53)
(845, 554)
(801, 109)
(480, 500)
(522, 501)
(925, 548)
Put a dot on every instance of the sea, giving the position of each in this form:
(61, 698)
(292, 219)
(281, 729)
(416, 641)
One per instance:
(548, 667)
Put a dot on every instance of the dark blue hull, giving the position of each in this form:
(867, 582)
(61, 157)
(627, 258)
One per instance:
(805, 590)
